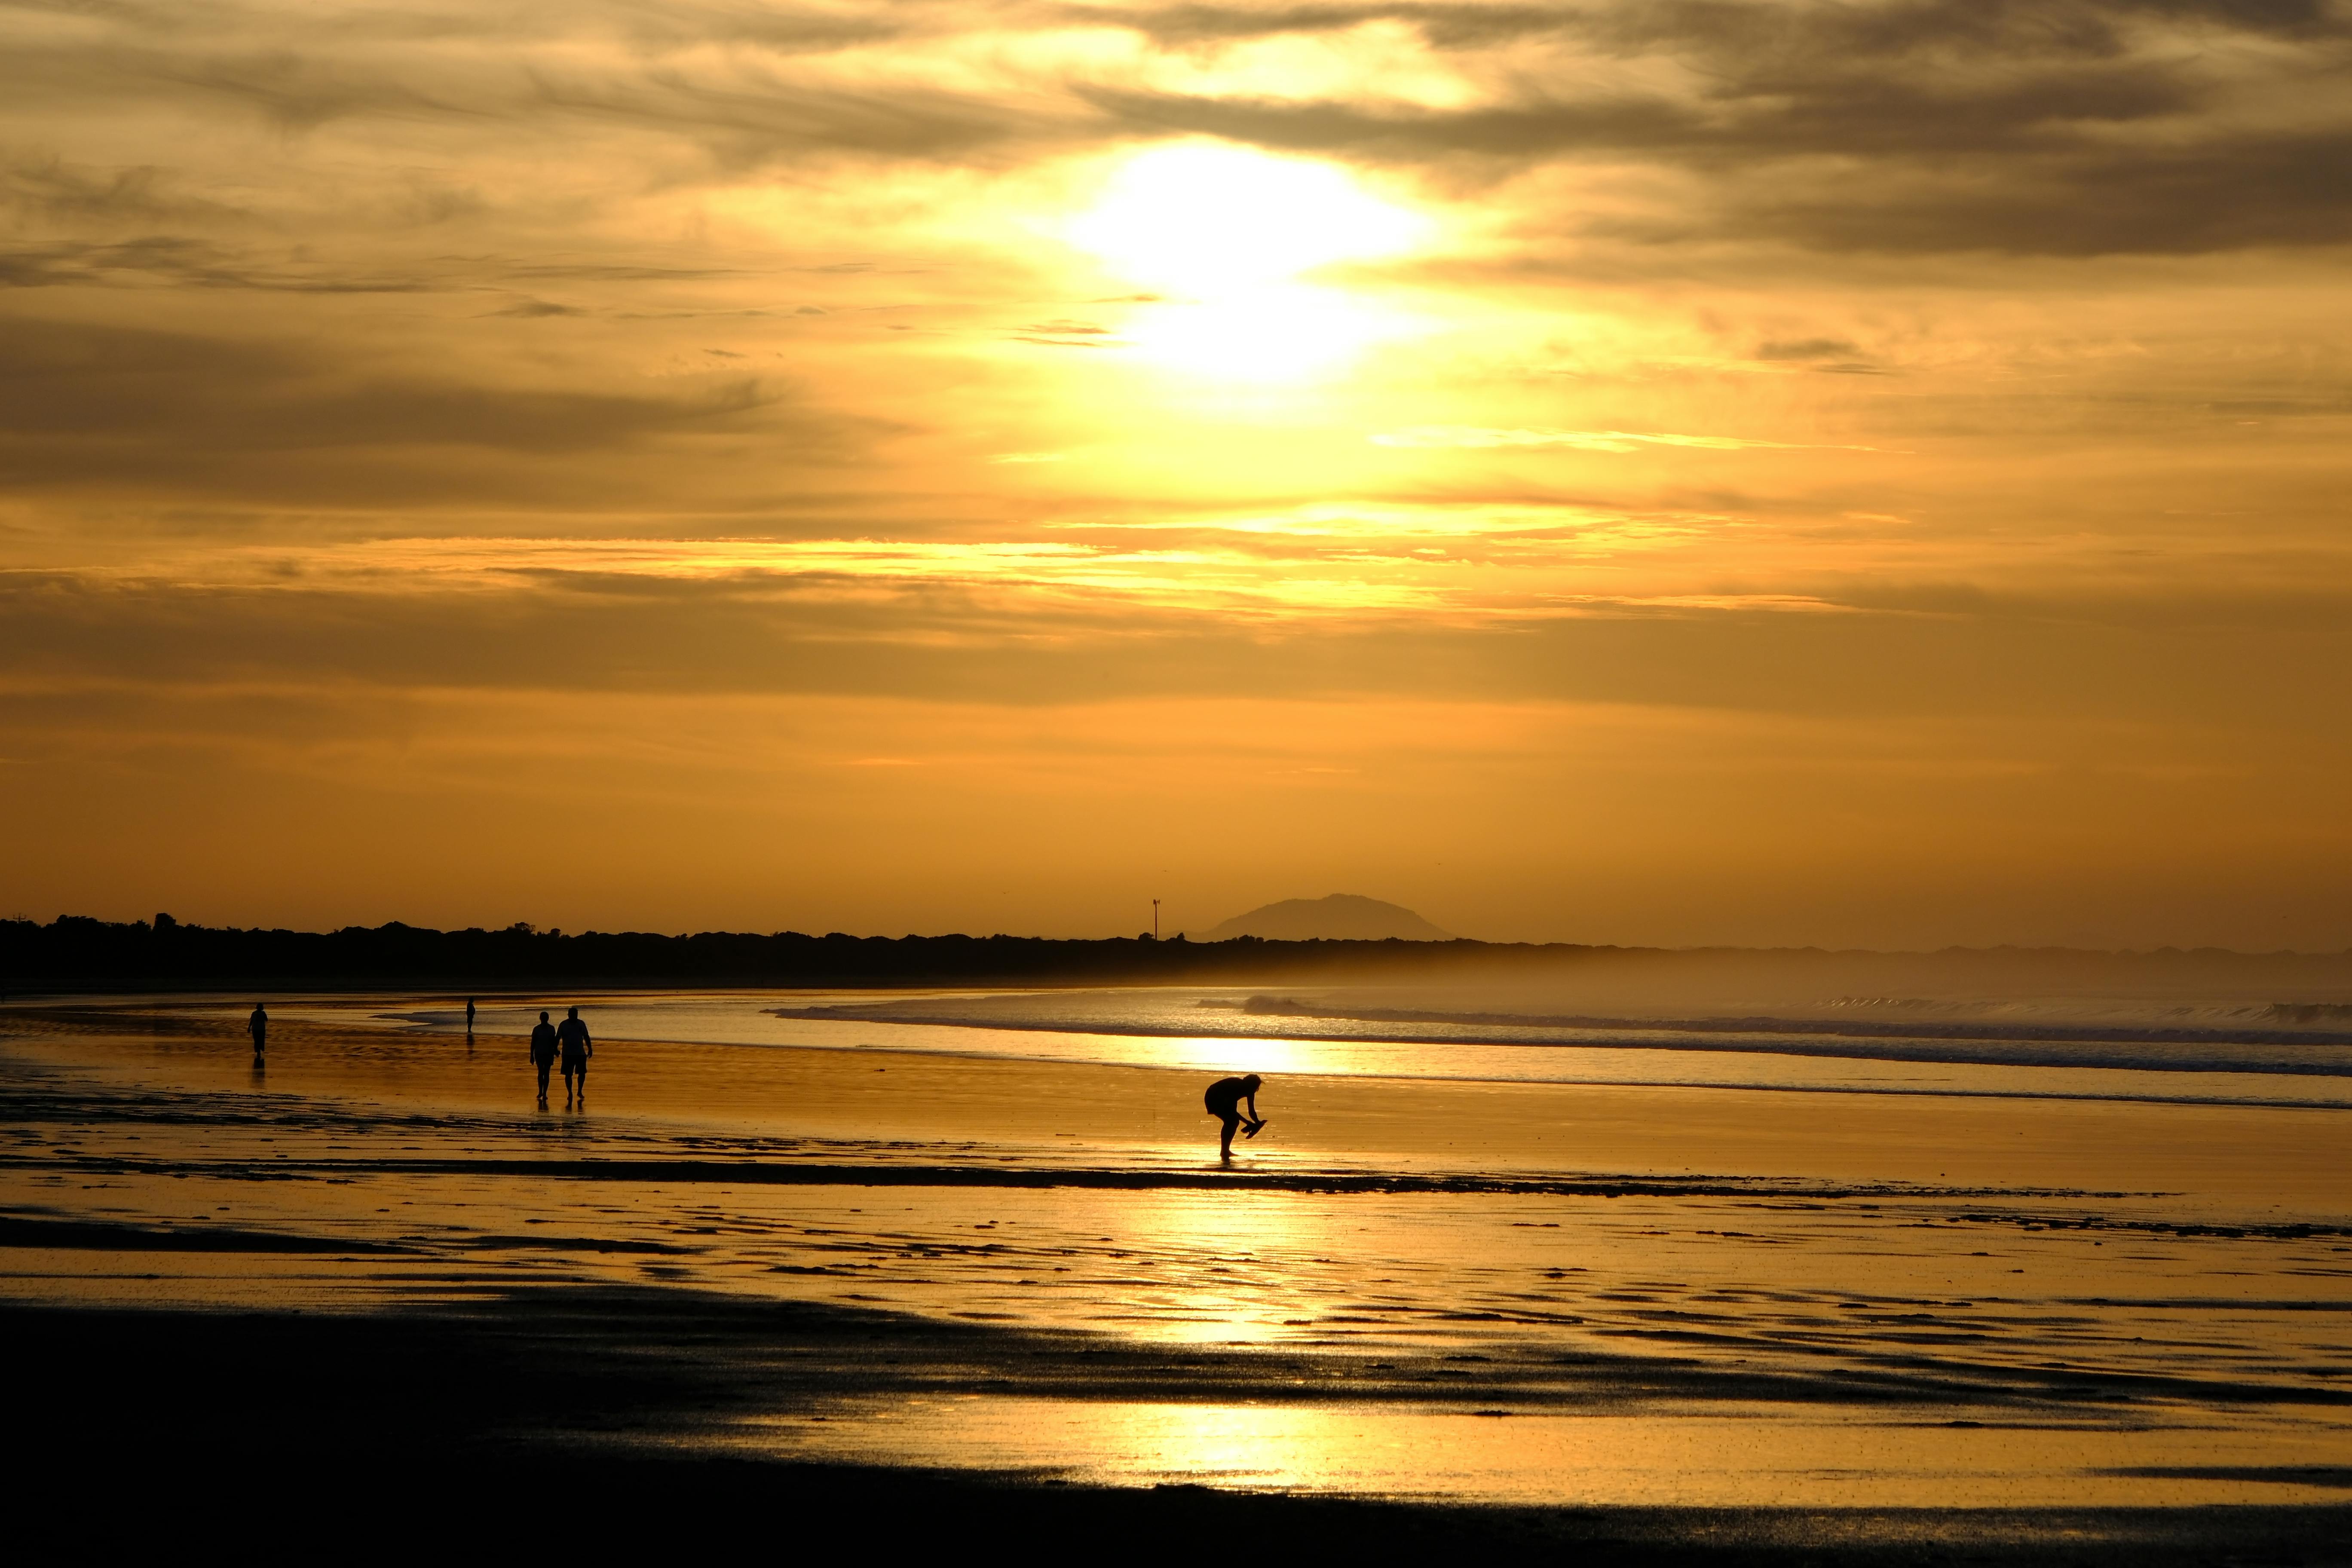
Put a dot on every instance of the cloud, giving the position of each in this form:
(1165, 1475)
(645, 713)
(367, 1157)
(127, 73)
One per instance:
(2230, 191)
(2066, 128)
(2101, 126)
(47, 186)
(951, 634)
(1444, 26)
(1065, 334)
(177, 261)
(1731, 30)
(1807, 349)
(1426, 436)
(124, 408)
(1825, 356)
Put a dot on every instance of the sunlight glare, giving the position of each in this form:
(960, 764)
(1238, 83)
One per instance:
(1206, 219)
(1276, 333)
(1230, 235)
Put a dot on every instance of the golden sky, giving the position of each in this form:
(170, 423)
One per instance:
(1729, 471)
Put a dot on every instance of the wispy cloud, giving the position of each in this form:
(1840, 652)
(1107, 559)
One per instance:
(1375, 521)
(1476, 436)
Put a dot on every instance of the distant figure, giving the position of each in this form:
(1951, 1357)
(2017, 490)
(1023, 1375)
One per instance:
(258, 1027)
(573, 1036)
(1224, 1099)
(543, 1054)
(469, 1018)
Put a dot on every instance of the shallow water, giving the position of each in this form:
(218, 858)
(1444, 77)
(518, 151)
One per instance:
(1154, 1027)
(1694, 1293)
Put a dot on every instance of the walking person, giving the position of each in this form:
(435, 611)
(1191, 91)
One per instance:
(572, 1034)
(543, 1054)
(258, 1027)
(1223, 1102)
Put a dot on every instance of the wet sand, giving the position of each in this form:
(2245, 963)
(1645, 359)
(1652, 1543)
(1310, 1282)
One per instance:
(1660, 1303)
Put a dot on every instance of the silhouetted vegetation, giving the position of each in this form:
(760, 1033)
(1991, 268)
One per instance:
(75, 953)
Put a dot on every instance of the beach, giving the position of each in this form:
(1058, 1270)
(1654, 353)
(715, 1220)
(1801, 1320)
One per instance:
(1986, 1304)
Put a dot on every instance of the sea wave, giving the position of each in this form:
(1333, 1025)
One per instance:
(2139, 1046)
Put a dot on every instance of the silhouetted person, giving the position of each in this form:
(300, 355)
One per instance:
(469, 1018)
(258, 1027)
(1223, 1100)
(572, 1034)
(543, 1054)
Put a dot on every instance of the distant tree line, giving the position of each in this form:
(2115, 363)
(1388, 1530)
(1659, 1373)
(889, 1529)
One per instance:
(75, 953)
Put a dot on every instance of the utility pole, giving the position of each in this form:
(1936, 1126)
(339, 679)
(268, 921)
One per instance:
(1155, 919)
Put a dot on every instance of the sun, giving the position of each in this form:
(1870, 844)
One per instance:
(1206, 218)
(1228, 237)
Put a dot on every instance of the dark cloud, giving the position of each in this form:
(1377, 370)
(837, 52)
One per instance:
(1740, 29)
(756, 118)
(745, 109)
(114, 406)
(777, 30)
(1807, 349)
(1829, 356)
(601, 271)
(2228, 193)
(2232, 657)
(1066, 335)
(1444, 26)
(48, 187)
(2047, 127)
(2081, 128)
(181, 261)
(60, 380)
(1845, 114)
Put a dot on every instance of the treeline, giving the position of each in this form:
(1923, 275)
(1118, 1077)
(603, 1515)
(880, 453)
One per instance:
(74, 952)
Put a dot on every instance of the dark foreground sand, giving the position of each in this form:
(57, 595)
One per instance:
(374, 1293)
(567, 1425)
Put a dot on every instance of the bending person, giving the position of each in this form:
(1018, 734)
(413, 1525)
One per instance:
(572, 1034)
(543, 1054)
(1224, 1099)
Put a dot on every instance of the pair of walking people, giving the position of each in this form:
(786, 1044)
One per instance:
(568, 1042)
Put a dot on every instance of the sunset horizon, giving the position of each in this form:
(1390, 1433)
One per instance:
(1736, 474)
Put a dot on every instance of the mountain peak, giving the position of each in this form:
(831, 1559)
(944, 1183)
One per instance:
(1341, 917)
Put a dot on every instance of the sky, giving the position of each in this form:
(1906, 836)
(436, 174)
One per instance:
(1647, 471)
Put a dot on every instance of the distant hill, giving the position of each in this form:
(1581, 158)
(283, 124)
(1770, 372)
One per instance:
(1342, 917)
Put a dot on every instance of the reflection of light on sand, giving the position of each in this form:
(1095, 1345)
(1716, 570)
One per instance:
(1727, 1455)
(1243, 1300)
